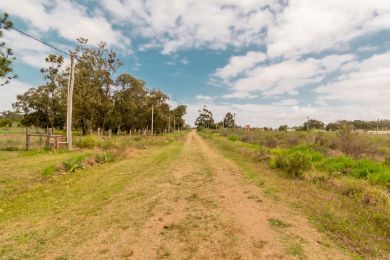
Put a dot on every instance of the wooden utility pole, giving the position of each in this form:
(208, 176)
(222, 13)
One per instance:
(152, 120)
(27, 138)
(70, 104)
(169, 124)
(174, 124)
(377, 126)
(307, 124)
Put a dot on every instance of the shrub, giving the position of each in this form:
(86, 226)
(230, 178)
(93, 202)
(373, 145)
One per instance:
(89, 141)
(234, 138)
(73, 165)
(295, 163)
(104, 157)
(271, 142)
(352, 144)
(298, 163)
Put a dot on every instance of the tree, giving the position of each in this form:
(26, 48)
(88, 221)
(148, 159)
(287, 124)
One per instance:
(93, 87)
(313, 124)
(205, 119)
(129, 102)
(228, 121)
(178, 114)
(45, 106)
(283, 128)
(6, 55)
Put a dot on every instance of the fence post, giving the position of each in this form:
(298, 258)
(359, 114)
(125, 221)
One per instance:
(99, 132)
(48, 137)
(27, 138)
(109, 133)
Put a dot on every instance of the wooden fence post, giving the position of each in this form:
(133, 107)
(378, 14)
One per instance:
(48, 137)
(27, 138)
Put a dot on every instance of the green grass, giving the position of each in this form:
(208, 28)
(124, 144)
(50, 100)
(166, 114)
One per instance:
(348, 209)
(54, 213)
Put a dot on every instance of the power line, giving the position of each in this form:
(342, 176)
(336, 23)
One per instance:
(36, 39)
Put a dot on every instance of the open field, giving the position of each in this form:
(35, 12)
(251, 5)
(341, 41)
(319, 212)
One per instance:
(183, 195)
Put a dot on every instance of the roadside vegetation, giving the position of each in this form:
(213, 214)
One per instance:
(341, 180)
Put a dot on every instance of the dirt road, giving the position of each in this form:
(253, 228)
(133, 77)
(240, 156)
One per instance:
(204, 209)
(182, 201)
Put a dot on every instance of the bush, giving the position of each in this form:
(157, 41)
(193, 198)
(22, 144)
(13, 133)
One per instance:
(104, 157)
(234, 138)
(89, 141)
(73, 165)
(295, 163)
(298, 163)
(271, 142)
(353, 144)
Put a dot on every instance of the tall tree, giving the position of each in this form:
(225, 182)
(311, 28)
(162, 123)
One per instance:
(93, 87)
(6, 55)
(178, 114)
(228, 120)
(205, 119)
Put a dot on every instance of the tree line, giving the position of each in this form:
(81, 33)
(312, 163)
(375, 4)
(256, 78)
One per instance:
(101, 98)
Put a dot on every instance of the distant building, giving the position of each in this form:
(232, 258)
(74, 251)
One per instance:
(247, 127)
(291, 130)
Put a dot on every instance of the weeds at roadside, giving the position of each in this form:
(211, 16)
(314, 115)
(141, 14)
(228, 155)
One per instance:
(73, 165)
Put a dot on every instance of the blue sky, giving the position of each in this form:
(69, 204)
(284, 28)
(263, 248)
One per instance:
(269, 62)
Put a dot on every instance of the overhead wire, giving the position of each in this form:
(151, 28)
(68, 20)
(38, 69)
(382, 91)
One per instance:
(39, 40)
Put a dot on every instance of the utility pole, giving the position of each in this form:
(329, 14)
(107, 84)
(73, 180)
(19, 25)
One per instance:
(152, 120)
(234, 119)
(307, 124)
(377, 126)
(70, 104)
(174, 124)
(169, 123)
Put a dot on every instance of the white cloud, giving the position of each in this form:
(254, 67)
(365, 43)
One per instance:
(10, 91)
(240, 64)
(285, 77)
(177, 25)
(26, 50)
(70, 19)
(205, 98)
(176, 59)
(307, 26)
(366, 83)
(286, 102)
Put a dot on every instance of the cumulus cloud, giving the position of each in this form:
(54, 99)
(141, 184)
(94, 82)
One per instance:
(69, 19)
(365, 83)
(240, 64)
(285, 77)
(306, 26)
(177, 25)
